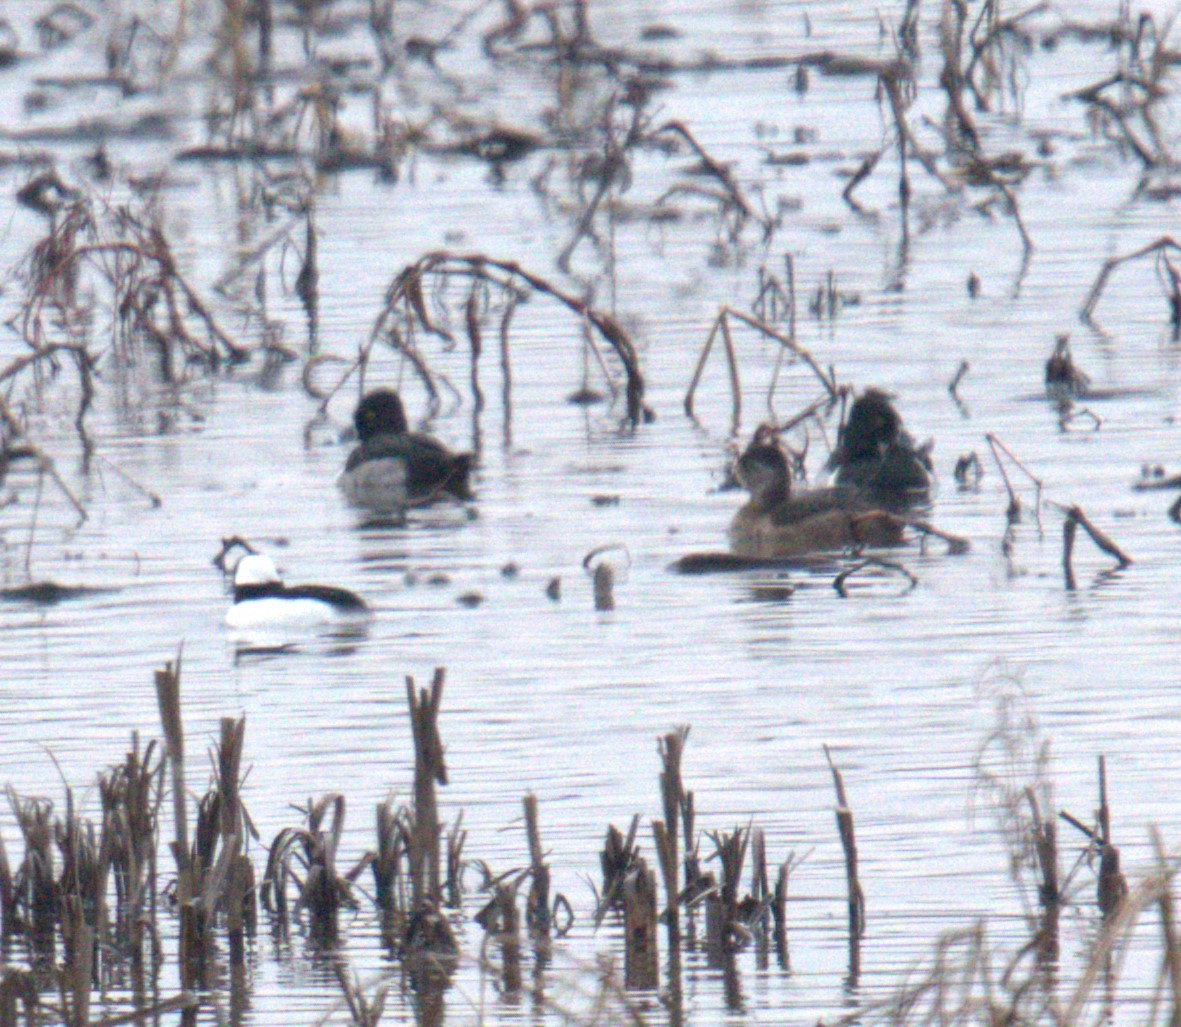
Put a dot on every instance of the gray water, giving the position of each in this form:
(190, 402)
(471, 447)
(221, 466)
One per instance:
(555, 697)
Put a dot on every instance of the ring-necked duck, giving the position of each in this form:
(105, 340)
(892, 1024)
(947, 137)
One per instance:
(261, 599)
(876, 456)
(393, 468)
(775, 524)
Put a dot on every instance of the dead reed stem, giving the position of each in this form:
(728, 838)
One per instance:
(718, 171)
(537, 911)
(430, 769)
(725, 934)
(1045, 844)
(1075, 517)
(239, 905)
(168, 700)
(671, 748)
(1014, 510)
(618, 857)
(721, 326)
(405, 306)
(641, 949)
(779, 913)
(1113, 887)
(1163, 245)
(849, 844)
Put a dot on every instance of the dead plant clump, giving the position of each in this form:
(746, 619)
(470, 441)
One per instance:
(85, 905)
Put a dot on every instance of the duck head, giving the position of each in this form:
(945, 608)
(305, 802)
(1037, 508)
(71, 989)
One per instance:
(762, 471)
(380, 413)
(256, 569)
(873, 426)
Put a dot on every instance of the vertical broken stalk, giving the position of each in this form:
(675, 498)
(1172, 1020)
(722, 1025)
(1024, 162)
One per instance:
(1113, 887)
(779, 912)
(239, 886)
(849, 844)
(672, 796)
(537, 912)
(429, 769)
(641, 951)
(168, 699)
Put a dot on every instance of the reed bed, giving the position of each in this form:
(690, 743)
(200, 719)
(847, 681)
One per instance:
(87, 904)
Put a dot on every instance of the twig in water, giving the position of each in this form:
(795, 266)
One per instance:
(954, 384)
(1162, 246)
(870, 561)
(143, 490)
(1074, 518)
(1014, 510)
(722, 324)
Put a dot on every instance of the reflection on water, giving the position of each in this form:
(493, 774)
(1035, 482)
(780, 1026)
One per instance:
(547, 694)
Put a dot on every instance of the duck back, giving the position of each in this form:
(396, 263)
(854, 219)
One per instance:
(395, 471)
(769, 534)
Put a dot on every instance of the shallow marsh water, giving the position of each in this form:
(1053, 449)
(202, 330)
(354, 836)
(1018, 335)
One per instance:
(566, 702)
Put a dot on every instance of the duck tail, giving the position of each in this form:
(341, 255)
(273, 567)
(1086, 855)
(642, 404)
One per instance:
(457, 476)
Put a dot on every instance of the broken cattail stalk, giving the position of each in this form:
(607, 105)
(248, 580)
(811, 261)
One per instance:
(430, 769)
(954, 384)
(191, 957)
(1162, 245)
(393, 844)
(641, 952)
(1045, 844)
(666, 855)
(760, 894)
(537, 913)
(130, 795)
(617, 858)
(453, 886)
(35, 901)
(405, 303)
(78, 941)
(240, 910)
(672, 796)
(1113, 886)
(849, 844)
(502, 922)
(724, 932)
(779, 912)
(788, 342)
(604, 586)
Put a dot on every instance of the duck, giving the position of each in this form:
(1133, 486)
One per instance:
(775, 523)
(393, 468)
(878, 458)
(261, 599)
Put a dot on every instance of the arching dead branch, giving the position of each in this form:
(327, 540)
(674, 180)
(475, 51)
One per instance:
(405, 315)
